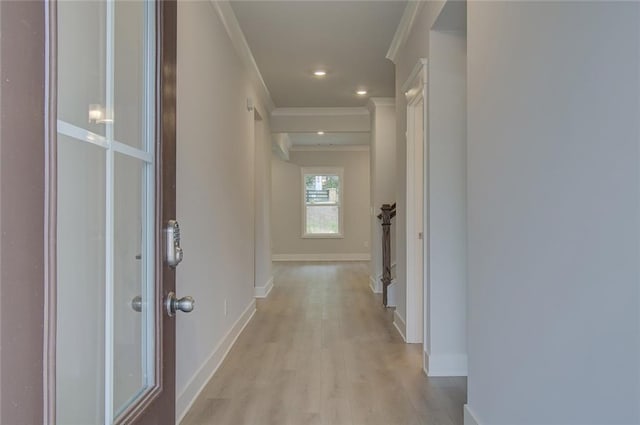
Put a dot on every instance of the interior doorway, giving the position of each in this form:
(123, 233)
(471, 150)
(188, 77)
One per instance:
(417, 267)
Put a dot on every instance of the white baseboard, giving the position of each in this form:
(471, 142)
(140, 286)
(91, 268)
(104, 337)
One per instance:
(198, 381)
(444, 364)
(375, 285)
(263, 291)
(469, 417)
(321, 257)
(400, 325)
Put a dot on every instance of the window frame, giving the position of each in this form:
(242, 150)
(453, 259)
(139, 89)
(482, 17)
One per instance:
(327, 171)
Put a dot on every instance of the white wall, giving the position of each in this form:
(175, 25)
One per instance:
(554, 217)
(382, 163)
(286, 213)
(215, 193)
(447, 236)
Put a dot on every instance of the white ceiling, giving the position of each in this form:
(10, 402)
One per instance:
(331, 139)
(349, 39)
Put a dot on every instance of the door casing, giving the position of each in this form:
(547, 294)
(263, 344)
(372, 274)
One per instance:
(417, 257)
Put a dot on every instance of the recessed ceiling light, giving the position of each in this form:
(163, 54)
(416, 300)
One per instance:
(361, 92)
(320, 73)
(320, 133)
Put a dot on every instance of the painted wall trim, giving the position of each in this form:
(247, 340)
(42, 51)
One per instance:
(318, 112)
(469, 417)
(336, 148)
(412, 80)
(321, 257)
(444, 364)
(263, 291)
(382, 101)
(375, 285)
(404, 29)
(400, 325)
(196, 384)
(231, 25)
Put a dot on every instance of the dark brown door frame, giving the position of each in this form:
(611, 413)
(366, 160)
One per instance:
(162, 410)
(23, 137)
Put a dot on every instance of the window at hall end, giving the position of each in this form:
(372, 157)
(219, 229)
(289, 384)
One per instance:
(322, 202)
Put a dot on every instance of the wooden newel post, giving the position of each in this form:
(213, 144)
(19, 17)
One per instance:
(388, 212)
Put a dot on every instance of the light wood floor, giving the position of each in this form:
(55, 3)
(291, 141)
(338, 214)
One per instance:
(322, 350)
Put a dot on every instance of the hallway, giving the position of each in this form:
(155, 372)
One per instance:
(322, 350)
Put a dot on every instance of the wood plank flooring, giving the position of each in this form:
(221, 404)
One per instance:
(322, 350)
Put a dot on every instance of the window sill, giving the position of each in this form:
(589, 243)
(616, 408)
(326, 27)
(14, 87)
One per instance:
(323, 236)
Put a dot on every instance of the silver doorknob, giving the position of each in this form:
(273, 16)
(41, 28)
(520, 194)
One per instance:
(173, 304)
(136, 303)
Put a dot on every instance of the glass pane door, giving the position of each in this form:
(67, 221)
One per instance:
(106, 348)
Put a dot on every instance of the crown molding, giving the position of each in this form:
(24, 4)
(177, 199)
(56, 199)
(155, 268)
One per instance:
(231, 25)
(382, 101)
(325, 148)
(318, 112)
(418, 76)
(404, 29)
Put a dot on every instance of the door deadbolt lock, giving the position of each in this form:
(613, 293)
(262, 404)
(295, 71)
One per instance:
(174, 304)
(174, 251)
